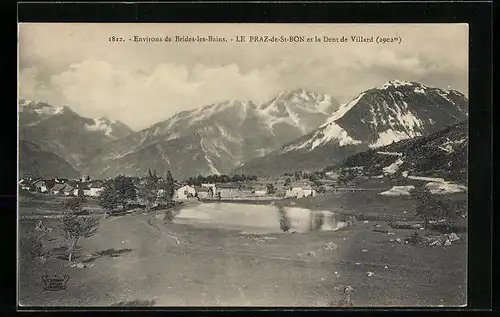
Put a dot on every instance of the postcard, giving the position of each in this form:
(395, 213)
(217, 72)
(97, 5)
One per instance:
(242, 165)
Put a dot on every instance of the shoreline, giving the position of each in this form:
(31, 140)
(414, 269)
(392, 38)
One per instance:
(269, 201)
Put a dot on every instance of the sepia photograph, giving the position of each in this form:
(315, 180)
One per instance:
(242, 165)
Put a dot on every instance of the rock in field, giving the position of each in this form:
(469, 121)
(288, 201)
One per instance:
(453, 237)
(330, 246)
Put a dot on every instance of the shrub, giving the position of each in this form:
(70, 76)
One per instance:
(31, 247)
(169, 216)
(429, 208)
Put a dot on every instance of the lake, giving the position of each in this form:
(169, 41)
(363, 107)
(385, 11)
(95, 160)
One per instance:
(256, 218)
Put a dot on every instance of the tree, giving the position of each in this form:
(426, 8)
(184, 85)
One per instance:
(270, 189)
(75, 225)
(125, 190)
(200, 180)
(345, 176)
(170, 187)
(288, 182)
(108, 199)
(148, 190)
(75, 204)
(118, 191)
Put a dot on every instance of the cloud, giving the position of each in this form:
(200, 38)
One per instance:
(141, 98)
(142, 84)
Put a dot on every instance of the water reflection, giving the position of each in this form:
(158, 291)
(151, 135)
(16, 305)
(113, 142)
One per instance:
(257, 218)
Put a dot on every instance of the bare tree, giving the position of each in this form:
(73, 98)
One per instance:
(75, 225)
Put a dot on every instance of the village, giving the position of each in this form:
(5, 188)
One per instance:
(252, 190)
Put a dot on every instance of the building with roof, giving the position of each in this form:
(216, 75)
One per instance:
(185, 192)
(58, 189)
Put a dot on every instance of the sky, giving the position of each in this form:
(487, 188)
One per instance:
(142, 83)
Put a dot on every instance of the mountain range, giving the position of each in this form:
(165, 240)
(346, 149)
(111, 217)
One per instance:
(216, 138)
(297, 129)
(63, 132)
(395, 111)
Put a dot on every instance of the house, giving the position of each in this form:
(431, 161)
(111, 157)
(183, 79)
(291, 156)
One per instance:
(185, 192)
(246, 192)
(346, 189)
(160, 193)
(25, 184)
(68, 190)
(300, 192)
(229, 190)
(210, 185)
(93, 190)
(60, 180)
(260, 191)
(41, 186)
(205, 192)
(58, 189)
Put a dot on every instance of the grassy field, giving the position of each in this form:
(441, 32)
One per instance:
(135, 259)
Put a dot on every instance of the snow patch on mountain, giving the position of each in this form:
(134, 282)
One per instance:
(395, 84)
(419, 90)
(445, 96)
(331, 132)
(344, 108)
(295, 118)
(213, 170)
(101, 124)
(425, 178)
(440, 188)
(334, 131)
(227, 135)
(393, 168)
(390, 153)
(398, 191)
(405, 118)
(448, 145)
(389, 136)
(207, 112)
